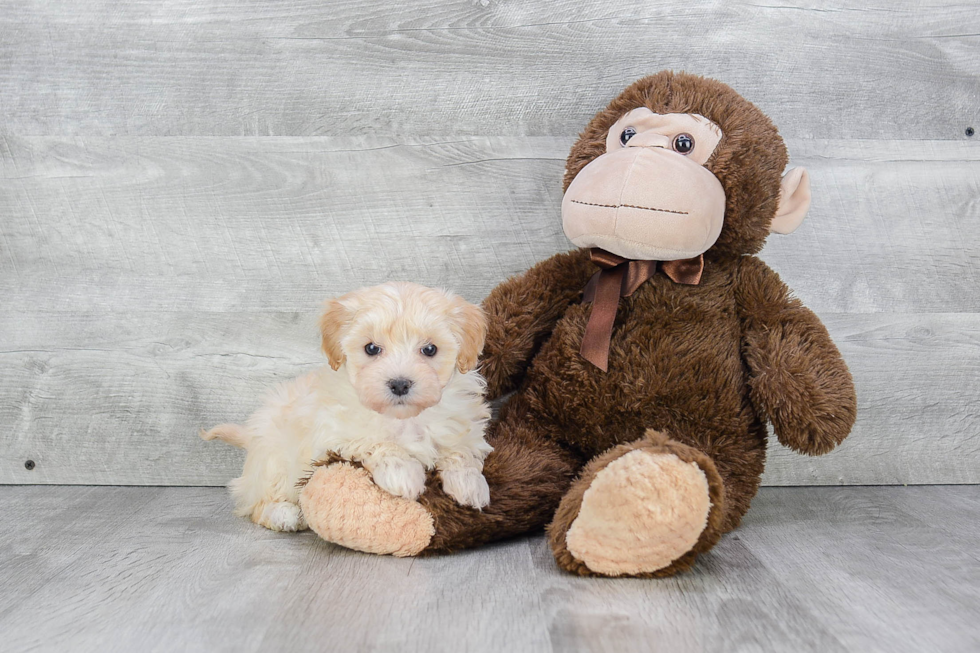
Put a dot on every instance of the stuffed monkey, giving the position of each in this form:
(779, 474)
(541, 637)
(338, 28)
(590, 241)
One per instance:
(646, 364)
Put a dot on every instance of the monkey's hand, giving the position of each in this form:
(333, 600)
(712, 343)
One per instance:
(522, 312)
(798, 378)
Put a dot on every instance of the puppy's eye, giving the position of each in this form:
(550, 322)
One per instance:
(683, 143)
(627, 134)
(430, 350)
(372, 349)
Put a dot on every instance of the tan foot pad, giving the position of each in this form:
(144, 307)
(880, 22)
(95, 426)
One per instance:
(342, 505)
(642, 512)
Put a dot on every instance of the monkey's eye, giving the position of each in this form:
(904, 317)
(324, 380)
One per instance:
(683, 143)
(627, 134)
(372, 349)
(429, 350)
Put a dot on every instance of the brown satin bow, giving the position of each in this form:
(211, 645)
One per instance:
(620, 277)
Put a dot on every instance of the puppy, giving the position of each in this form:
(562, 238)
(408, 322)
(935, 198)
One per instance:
(400, 396)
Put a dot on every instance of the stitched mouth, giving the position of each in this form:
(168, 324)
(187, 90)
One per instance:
(629, 206)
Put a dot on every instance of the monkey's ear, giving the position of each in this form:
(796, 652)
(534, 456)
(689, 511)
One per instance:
(794, 202)
(470, 329)
(333, 323)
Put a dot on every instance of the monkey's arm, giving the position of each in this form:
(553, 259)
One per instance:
(522, 311)
(798, 378)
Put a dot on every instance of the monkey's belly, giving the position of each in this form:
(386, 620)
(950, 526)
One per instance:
(683, 378)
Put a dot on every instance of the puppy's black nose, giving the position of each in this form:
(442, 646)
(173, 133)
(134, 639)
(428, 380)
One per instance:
(399, 387)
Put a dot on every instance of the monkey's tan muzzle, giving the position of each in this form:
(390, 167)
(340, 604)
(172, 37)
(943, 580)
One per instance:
(646, 203)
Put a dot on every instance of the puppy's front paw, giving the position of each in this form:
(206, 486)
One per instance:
(400, 477)
(467, 486)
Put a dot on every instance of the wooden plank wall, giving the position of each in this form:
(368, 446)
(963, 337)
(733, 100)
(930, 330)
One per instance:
(183, 182)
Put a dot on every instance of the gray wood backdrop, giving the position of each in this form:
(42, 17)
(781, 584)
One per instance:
(183, 182)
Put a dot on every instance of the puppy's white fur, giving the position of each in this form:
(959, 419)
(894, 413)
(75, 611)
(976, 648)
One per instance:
(350, 408)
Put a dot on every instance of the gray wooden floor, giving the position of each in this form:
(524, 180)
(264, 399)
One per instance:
(821, 569)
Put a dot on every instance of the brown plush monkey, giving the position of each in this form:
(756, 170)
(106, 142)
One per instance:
(646, 364)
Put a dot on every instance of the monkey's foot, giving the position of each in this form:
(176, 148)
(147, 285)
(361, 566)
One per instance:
(643, 509)
(343, 505)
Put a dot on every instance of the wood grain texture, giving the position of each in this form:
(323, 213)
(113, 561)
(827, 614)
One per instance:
(163, 569)
(155, 286)
(120, 400)
(820, 68)
(182, 183)
(276, 224)
(876, 558)
(267, 224)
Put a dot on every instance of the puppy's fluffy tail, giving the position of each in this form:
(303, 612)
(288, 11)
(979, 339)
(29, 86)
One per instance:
(231, 433)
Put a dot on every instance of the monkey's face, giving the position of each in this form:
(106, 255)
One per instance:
(650, 195)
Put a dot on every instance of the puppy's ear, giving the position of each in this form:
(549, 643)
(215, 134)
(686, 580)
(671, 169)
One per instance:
(336, 316)
(470, 329)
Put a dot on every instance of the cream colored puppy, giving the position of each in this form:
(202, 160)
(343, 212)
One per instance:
(400, 395)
